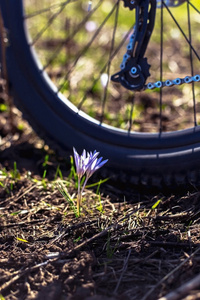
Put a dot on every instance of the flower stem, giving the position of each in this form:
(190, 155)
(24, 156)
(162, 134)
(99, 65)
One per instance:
(79, 196)
(86, 179)
(80, 192)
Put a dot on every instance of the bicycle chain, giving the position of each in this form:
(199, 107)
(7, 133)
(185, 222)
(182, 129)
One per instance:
(128, 53)
(158, 84)
(169, 83)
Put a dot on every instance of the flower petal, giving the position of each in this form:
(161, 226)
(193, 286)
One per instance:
(87, 162)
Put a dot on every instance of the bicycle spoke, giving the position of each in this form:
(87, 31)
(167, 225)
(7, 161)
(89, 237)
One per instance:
(191, 63)
(105, 90)
(179, 27)
(161, 62)
(105, 66)
(39, 12)
(82, 52)
(131, 114)
(50, 21)
(75, 31)
(194, 7)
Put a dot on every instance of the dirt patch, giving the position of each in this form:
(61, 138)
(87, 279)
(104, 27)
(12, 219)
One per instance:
(129, 250)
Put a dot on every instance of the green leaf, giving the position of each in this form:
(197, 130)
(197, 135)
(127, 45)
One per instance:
(156, 204)
(22, 240)
(3, 107)
(97, 183)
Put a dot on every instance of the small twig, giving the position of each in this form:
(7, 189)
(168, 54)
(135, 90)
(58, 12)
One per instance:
(7, 139)
(146, 296)
(26, 223)
(171, 244)
(146, 259)
(183, 290)
(123, 271)
(171, 217)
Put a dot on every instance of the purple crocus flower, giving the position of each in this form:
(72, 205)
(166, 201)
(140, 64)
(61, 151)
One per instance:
(86, 164)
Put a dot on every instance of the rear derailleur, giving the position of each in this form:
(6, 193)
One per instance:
(134, 67)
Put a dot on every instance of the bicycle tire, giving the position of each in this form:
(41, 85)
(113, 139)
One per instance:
(153, 159)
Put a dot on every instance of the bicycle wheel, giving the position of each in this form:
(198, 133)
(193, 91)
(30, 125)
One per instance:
(59, 59)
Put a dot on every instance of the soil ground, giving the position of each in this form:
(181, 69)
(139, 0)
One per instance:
(123, 247)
